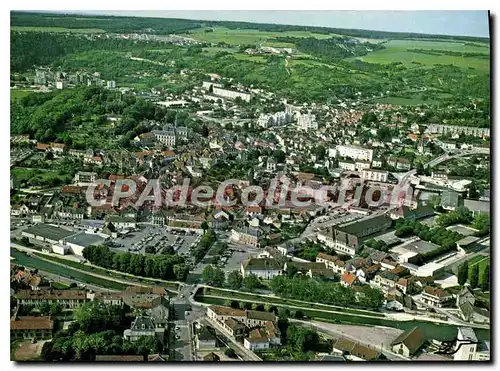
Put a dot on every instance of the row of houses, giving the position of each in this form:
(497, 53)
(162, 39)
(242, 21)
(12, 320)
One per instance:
(152, 302)
(258, 330)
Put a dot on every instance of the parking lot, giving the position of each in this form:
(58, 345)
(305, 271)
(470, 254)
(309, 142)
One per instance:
(155, 240)
(236, 254)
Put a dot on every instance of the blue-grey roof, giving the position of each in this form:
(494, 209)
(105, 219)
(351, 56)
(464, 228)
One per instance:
(84, 239)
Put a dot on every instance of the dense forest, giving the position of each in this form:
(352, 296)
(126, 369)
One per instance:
(28, 49)
(48, 117)
(106, 23)
(332, 48)
(167, 267)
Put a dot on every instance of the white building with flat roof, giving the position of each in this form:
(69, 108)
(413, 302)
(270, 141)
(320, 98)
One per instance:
(354, 152)
(307, 122)
(375, 175)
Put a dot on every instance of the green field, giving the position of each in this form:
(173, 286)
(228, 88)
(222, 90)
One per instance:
(34, 262)
(59, 286)
(453, 46)
(415, 100)
(55, 29)
(251, 58)
(285, 301)
(249, 36)
(212, 50)
(19, 93)
(397, 51)
(22, 174)
(311, 63)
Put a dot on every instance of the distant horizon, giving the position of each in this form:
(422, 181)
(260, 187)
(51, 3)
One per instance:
(446, 23)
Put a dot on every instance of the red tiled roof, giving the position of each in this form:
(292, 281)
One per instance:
(402, 282)
(42, 146)
(31, 323)
(327, 257)
(436, 292)
(348, 278)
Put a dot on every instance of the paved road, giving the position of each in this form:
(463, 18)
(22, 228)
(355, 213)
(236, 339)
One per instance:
(186, 312)
(445, 157)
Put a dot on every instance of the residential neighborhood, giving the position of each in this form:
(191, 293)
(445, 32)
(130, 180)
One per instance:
(170, 209)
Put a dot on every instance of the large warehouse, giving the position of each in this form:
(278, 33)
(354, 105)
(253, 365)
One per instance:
(59, 240)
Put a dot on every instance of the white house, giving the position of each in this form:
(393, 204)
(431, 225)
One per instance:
(263, 268)
(468, 348)
(409, 342)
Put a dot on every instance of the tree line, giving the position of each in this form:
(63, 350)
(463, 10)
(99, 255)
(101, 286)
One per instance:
(97, 329)
(443, 237)
(166, 267)
(309, 289)
(48, 117)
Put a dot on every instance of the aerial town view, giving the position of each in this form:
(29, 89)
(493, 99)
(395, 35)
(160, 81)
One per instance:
(186, 188)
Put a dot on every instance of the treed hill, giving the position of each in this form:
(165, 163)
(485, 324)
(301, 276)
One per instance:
(172, 25)
(28, 49)
(49, 116)
(332, 48)
(106, 23)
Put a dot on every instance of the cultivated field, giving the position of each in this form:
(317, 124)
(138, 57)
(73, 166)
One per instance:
(398, 51)
(250, 37)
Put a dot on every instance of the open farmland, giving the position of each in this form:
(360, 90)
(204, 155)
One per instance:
(249, 36)
(411, 52)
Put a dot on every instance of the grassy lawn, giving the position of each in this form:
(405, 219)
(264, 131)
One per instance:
(311, 63)
(55, 29)
(475, 259)
(60, 286)
(212, 50)
(284, 301)
(34, 262)
(23, 174)
(19, 93)
(397, 51)
(251, 58)
(417, 100)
